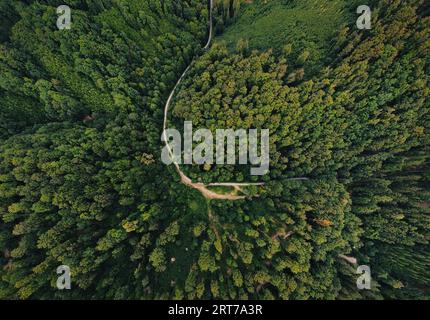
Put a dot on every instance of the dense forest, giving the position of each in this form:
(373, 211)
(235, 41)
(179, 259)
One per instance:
(82, 183)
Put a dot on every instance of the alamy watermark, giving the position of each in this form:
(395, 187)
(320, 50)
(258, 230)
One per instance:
(231, 147)
(64, 21)
(364, 21)
(365, 278)
(64, 280)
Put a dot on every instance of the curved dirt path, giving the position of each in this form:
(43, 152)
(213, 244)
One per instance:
(203, 188)
(209, 194)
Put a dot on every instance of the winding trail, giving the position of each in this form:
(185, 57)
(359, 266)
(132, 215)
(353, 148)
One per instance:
(203, 188)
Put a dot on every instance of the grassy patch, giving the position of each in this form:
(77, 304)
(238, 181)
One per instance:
(308, 25)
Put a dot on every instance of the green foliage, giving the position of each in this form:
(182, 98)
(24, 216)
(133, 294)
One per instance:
(81, 183)
(309, 25)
